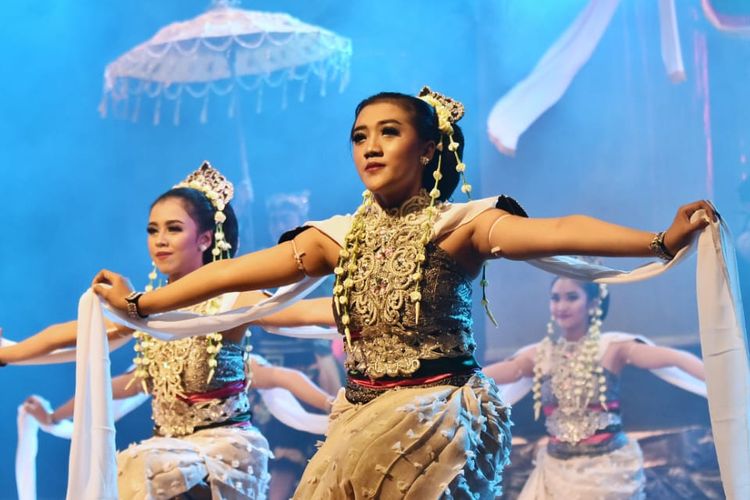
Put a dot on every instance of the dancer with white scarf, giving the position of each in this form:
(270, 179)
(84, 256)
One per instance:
(199, 384)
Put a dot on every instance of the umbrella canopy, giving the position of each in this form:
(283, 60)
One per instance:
(220, 51)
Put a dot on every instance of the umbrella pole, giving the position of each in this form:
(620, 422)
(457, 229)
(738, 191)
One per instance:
(246, 191)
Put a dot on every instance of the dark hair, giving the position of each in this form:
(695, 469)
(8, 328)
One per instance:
(202, 212)
(591, 290)
(425, 121)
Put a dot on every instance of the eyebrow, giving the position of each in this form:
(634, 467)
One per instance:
(167, 222)
(381, 122)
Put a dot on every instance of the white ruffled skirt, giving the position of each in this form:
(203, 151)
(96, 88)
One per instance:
(617, 475)
(413, 443)
(232, 461)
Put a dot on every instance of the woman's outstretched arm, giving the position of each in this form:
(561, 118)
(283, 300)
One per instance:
(498, 234)
(651, 357)
(315, 255)
(51, 338)
(512, 369)
(296, 382)
(303, 313)
(121, 388)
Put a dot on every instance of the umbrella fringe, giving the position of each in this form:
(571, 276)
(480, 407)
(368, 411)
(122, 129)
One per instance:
(284, 97)
(259, 99)
(137, 110)
(157, 111)
(232, 103)
(103, 105)
(302, 89)
(204, 110)
(177, 106)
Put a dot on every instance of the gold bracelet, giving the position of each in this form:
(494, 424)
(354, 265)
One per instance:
(298, 257)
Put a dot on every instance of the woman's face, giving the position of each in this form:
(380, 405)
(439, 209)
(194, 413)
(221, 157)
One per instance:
(569, 305)
(174, 242)
(386, 150)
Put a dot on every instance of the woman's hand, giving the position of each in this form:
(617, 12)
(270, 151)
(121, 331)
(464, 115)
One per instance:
(682, 231)
(37, 409)
(113, 288)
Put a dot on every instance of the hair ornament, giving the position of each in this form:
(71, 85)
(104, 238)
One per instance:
(219, 191)
(449, 111)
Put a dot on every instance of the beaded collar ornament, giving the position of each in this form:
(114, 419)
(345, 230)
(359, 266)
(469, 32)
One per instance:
(448, 112)
(583, 368)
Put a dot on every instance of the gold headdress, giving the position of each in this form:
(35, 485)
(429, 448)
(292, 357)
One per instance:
(212, 183)
(219, 192)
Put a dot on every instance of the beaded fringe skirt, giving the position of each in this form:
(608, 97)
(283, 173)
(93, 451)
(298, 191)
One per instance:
(232, 461)
(413, 443)
(617, 475)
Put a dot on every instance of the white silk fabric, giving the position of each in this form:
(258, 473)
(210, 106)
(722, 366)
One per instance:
(523, 104)
(92, 469)
(28, 429)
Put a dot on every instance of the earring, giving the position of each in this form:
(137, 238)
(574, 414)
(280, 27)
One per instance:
(424, 160)
(151, 278)
(202, 248)
(551, 326)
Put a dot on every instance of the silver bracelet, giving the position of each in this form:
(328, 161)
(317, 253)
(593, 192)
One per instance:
(659, 248)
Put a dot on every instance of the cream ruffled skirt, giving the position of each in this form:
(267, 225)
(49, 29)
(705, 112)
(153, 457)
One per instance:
(413, 443)
(233, 461)
(613, 476)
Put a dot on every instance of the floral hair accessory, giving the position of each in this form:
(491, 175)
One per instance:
(449, 111)
(219, 192)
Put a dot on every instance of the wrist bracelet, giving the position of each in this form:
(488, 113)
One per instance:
(659, 248)
(133, 310)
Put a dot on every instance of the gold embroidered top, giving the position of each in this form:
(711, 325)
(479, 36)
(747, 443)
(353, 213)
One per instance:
(174, 369)
(386, 341)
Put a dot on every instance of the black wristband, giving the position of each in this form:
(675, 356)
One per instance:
(133, 310)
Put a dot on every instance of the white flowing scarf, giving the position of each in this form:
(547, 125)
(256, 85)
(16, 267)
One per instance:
(518, 109)
(721, 328)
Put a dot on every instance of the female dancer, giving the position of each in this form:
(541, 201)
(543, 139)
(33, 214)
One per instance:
(417, 418)
(576, 386)
(200, 406)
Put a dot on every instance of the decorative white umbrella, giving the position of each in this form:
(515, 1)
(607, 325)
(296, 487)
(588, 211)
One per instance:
(220, 53)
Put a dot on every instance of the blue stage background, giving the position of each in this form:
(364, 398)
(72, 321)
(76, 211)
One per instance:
(624, 143)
